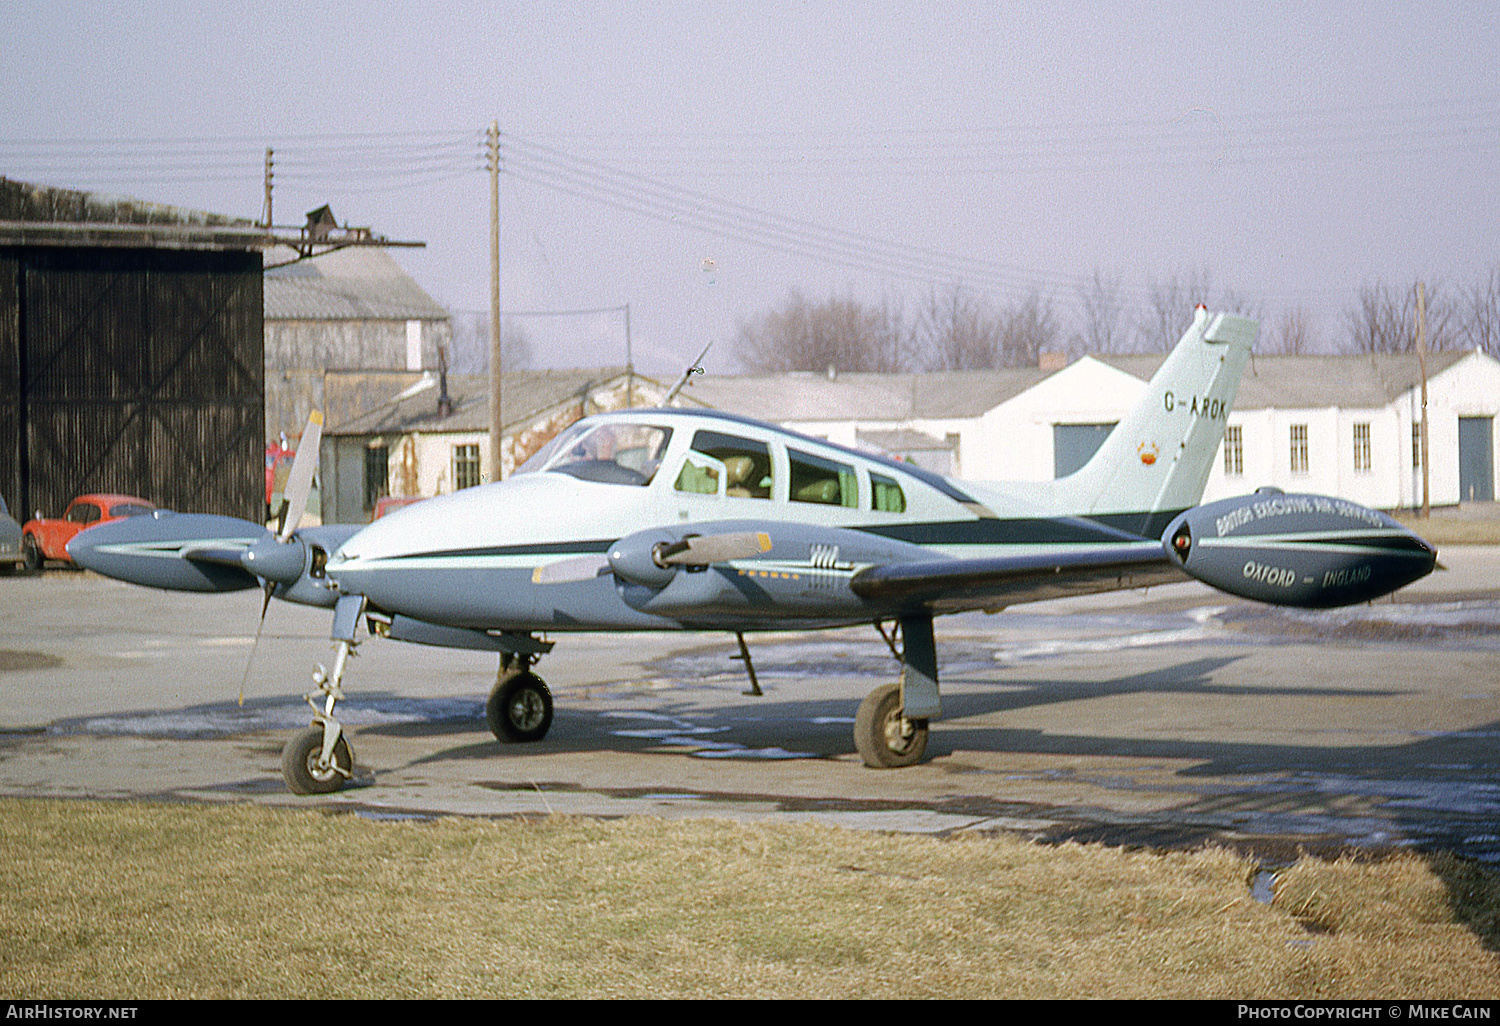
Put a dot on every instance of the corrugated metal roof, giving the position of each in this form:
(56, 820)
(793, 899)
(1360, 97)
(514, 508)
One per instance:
(359, 283)
(805, 396)
(40, 215)
(23, 201)
(360, 403)
(1286, 382)
(1313, 382)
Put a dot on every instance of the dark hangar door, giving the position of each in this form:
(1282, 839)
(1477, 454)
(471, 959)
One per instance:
(1476, 459)
(141, 371)
(1074, 444)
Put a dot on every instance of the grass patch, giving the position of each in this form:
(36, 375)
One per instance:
(132, 901)
(1446, 529)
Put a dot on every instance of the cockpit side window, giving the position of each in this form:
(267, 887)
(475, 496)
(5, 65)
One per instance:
(626, 454)
(815, 479)
(746, 464)
(886, 495)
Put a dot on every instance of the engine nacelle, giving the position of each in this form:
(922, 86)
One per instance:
(155, 550)
(1297, 550)
(633, 558)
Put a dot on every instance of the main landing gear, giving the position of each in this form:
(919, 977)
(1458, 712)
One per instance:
(890, 729)
(520, 706)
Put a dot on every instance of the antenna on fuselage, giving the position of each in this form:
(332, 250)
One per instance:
(696, 367)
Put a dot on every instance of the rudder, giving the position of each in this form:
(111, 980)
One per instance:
(1157, 460)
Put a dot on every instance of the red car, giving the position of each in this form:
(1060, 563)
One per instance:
(45, 538)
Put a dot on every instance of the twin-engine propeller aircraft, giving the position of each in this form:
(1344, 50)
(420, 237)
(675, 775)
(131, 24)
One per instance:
(672, 519)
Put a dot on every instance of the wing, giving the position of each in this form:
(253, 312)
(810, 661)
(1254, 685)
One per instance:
(993, 582)
(768, 571)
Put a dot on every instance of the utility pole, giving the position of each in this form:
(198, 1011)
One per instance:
(629, 365)
(497, 420)
(266, 209)
(1422, 362)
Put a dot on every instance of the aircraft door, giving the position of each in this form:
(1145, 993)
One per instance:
(724, 470)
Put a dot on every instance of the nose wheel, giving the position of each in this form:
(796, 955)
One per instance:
(305, 769)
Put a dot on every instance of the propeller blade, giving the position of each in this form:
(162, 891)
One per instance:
(705, 549)
(575, 568)
(299, 479)
(268, 587)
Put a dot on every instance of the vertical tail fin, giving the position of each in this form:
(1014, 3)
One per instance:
(1157, 459)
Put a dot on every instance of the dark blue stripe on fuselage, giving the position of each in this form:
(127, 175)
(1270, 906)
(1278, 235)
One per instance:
(580, 548)
(1105, 529)
(1111, 528)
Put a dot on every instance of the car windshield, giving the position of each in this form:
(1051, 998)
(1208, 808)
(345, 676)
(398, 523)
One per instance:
(128, 509)
(627, 454)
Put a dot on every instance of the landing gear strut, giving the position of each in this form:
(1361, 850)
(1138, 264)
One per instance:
(318, 760)
(890, 729)
(520, 706)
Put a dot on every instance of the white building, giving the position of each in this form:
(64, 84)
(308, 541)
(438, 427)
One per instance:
(1336, 425)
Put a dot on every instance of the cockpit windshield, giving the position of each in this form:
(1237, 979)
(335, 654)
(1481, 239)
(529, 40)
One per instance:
(627, 454)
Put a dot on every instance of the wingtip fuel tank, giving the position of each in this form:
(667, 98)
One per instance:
(1297, 550)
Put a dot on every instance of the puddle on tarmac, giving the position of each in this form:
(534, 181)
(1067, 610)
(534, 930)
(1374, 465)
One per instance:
(227, 718)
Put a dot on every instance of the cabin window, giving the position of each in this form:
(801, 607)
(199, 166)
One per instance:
(815, 479)
(625, 454)
(1234, 451)
(465, 466)
(744, 466)
(886, 495)
(1299, 460)
(1362, 447)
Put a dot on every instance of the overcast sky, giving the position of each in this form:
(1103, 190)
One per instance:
(699, 160)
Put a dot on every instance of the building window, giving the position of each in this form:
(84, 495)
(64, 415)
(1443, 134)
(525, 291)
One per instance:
(377, 474)
(465, 466)
(1234, 451)
(1416, 446)
(1361, 447)
(1299, 448)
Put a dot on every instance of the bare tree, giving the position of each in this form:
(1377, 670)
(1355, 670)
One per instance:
(1169, 309)
(842, 334)
(1029, 327)
(1384, 320)
(958, 331)
(470, 348)
(1480, 327)
(1105, 328)
(1292, 335)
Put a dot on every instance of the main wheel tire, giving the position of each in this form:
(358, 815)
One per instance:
(885, 738)
(31, 554)
(519, 709)
(299, 763)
